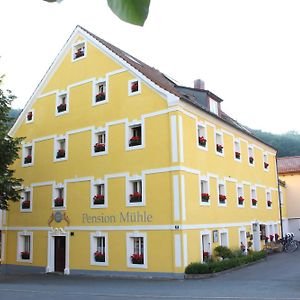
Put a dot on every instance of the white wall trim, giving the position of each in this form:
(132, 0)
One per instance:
(181, 139)
(183, 204)
(185, 250)
(177, 250)
(174, 142)
(176, 199)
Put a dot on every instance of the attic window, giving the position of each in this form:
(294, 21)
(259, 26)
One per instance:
(29, 117)
(213, 106)
(79, 51)
(134, 87)
(100, 92)
(61, 103)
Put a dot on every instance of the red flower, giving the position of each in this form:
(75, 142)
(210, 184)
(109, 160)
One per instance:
(29, 116)
(205, 196)
(269, 202)
(254, 201)
(137, 258)
(205, 254)
(266, 165)
(135, 138)
(237, 154)
(222, 197)
(271, 237)
(241, 199)
(202, 140)
(219, 148)
(134, 86)
(59, 201)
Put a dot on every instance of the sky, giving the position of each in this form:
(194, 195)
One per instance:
(246, 52)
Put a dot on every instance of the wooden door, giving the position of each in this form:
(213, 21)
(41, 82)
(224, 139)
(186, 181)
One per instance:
(60, 253)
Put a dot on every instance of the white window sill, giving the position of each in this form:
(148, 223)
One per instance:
(204, 203)
(60, 159)
(130, 148)
(57, 114)
(79, 58)
(99, 205)
(101, 153)
(29, 210)
(100, 264)
(100, 102)
(129, 204)
(202, 147)
(222, 205)
(137, 266)
(219, 154)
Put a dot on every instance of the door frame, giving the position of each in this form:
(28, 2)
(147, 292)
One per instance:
(256, 236)
(209, 244)
(51, 250)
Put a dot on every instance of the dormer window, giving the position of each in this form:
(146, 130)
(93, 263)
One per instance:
(213, 106)
(134, 87)
(62, 103)
(79, 50)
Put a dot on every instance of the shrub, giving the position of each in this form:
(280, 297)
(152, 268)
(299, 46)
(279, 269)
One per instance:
(223, 252)
(197, 268)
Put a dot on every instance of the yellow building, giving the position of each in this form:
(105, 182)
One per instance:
(126, 172)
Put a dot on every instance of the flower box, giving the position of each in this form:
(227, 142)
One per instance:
(58, 202)
(237, 155)
(266, 165)
(202, 141)
(61, 153)
(254, 202)
(26, 204)
(62, 107)
(98, 147)
(241, 200)
(29, 116)
(137, 259)
(79, 53)
(25, 255)
(99, 256)
(134, 87)
(100, 97)
(204, 197)
(251, 160)
(269, 203)
(136, 197)
(222, 198)
(271, 237)
(219, 148)
(28, 159)
(98, 199)
(135, 141)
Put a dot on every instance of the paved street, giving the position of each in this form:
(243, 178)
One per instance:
(276, 278)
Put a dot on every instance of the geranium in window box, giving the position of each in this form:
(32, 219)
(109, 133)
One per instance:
(29, 116)
(134, 87)
(100, 97)
(241, 200)
(79, 53)
(98, 199)
(237, 155)
(269, 203)
(26, 204)
(222, 198)
(25, 255)
(62, 107)
(204, 197)
(58, 202)
(137, 259)
(136, 197)
(135, 141)
(28, 159)
(61, 153)
(202, 141)
(99, 147)
(266, 165)
(251, 160)
(219, 148)
(254, 202)
(99, 256)
(205, 256)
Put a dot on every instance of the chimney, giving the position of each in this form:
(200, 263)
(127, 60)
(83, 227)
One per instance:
(199, 84)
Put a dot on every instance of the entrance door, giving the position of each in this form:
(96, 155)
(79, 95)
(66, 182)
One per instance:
(256, 237)
(60, 253)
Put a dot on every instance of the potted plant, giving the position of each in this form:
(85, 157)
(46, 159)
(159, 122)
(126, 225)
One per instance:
(29, 116)
(98, 199)
(137, 259)
(254, 202)
(135, 141)
(136, 197)
(271, 237)
(266, 165)
(134, 86)
(99, 256)
(202, 141)
(205, 197)
(61, 107)
(99, 147)
(251, 159)
(219, 148)
(269, 202)
(100, 96)
(26, 204)
(237, 155)
(79, 52)
(58, 202)
(205, 256)
(241, 200)
(25, 255)
(61, 153)
(222, 198)
(28, 159)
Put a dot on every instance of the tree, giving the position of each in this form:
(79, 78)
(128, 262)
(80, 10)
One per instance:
(9, 147)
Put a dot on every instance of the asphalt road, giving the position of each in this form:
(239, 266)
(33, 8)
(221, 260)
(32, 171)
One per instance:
(276, 278)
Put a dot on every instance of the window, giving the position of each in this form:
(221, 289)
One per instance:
(26, 202)
(99, 249)
(79, 51)
(266, 164)
(100, 142)
(62, 103)
(28, 155)
(59, 197)
(60, 148)
(213, 106)
(281, 196)
(135, 136)
(219, 143)
(253, 198)
(30, 116)
(136, 250)
(268, 199)
(100, 92)
(251, 155)
(240, 196)
(223, 238)
(135, 191)
(24, 249)
(202, 137)
(222, 194)
(204, 191)
(237, 150)
(134, 87)
(98, 195)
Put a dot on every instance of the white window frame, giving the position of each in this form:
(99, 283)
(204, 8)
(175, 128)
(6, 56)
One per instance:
(75, 47)
(237, 148)
(95, 133)
(201, 127)
(130, 182)
(23, 195)
(219, 135)
(57, 140)
(224, 231)
(139, 91)
(95, 91)
(59, 95)
(204, 179)
(253, 189)
(281, 197)
(94, 187)
(205, 232)
(55, 195)
(128, 135)
(268, 192)
(213, 106)
(238, 188)
(20, 246)
(251, 154)
(266, 160)
(221, 183)
(243, 229)
(25, 153)
(32, 119)
(93, 248)
(130, 249)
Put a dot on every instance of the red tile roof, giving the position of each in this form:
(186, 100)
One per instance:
(288, 164)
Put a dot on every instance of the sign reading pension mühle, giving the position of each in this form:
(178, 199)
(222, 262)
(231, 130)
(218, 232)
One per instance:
(129, 217)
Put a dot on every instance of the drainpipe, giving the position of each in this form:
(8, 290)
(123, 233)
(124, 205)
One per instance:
(279, 198)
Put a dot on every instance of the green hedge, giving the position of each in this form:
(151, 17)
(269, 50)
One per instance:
(218, 266)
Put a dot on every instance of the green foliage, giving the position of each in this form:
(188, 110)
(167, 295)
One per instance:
(218, 266)
(223, 252)
(9, 147)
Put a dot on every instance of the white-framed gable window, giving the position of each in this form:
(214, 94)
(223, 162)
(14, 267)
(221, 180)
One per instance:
(30, 116)
(268, 199)
(99, 141)
(253, 197)
(134, 87)
(62, 103)
(26, 202)
(251, 155)
(219, 143)
(240, 196)
(59, 197)
(25, 247)
(222, 193)
(265, 162)
(237, 150)
(135, 192)
(100, 92)
(137, 250)
(99, 249)
(98, 198)
(60, 148)
(204, 189)
(202, 136)
(79, 50)
(135, 136)
(28, 154)
(213, 106)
